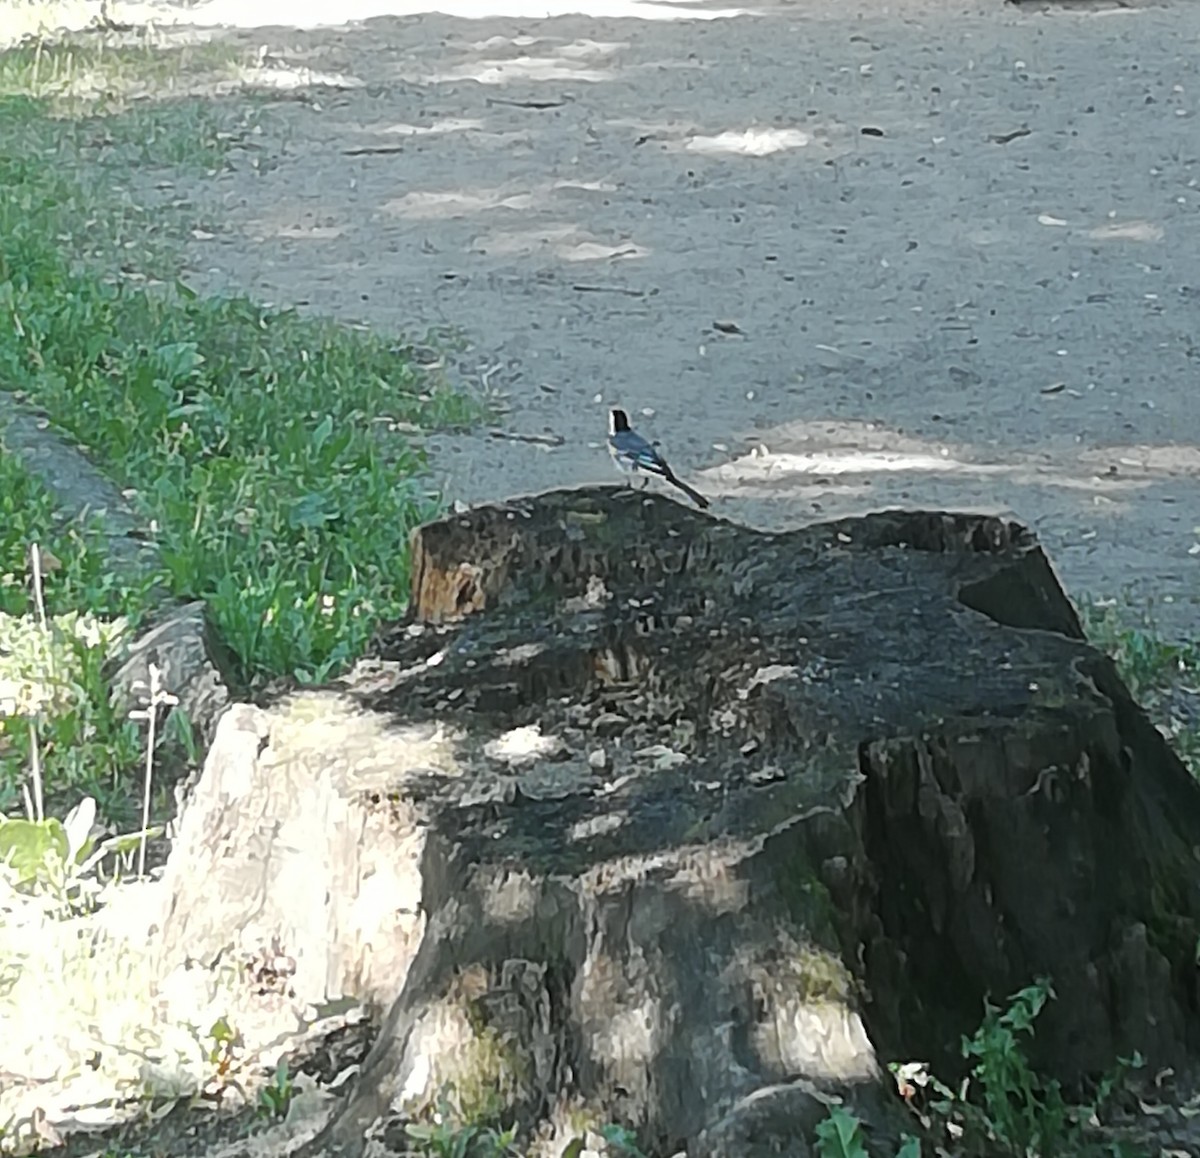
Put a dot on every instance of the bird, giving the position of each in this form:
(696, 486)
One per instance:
(632, 453)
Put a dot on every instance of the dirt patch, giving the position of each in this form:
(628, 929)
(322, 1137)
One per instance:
(837, 257)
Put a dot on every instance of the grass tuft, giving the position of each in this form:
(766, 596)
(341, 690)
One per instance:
(1163, 676)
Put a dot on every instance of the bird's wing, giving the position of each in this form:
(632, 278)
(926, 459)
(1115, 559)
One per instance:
(638, 452)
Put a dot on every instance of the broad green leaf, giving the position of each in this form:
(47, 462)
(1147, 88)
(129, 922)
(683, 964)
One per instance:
(28, 844)
(324, 430)
(840, 1136)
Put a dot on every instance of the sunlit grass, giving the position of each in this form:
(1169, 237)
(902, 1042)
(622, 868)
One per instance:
(267, 455)
(1162, 675)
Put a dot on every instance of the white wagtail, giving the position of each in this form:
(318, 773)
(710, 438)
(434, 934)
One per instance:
(632, 453)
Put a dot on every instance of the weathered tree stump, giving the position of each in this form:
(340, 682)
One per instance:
(737, 817)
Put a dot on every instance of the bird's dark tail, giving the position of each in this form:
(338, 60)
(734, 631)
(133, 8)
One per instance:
(691, 492)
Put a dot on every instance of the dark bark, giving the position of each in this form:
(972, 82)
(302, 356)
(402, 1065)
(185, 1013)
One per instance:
(802, 801)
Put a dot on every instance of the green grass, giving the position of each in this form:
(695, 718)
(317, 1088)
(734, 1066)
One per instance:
(97, 75)
(136, 102)
(262, 450)
(255, 441)
(80, 579)
(55, 674)
(1163, 676)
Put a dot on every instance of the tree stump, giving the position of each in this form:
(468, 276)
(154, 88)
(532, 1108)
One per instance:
(735, 818)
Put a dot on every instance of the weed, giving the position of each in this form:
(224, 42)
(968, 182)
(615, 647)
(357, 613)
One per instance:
(1163, 676)
(225, 1057)
(1023, 1112)
(840, 1135)
(621, 1141)
(617, 1141)
(77, 574)
(1005, 1107)
(275, 1098)
(1147, 662)
(82, 76)
(54, 701)
(444, 1131)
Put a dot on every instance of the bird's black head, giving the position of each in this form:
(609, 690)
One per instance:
(618, 421)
